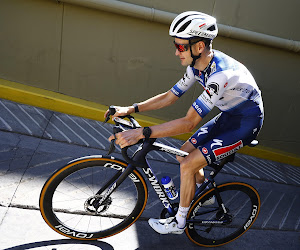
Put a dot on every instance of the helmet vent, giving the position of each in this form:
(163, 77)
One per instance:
(212, 28)
(180, 21)
(183, 27)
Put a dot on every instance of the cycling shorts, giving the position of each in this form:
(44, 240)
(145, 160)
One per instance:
(225, 134)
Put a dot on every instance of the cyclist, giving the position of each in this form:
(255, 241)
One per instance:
(227, 84)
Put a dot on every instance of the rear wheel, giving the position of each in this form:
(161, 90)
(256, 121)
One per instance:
(68, 199)
(209, 226)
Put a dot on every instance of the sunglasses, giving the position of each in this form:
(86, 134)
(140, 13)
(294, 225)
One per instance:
(181, 47)
(185, 47)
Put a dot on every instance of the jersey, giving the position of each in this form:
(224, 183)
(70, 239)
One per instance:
(227, 84)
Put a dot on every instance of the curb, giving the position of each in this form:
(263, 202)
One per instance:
(75, 106)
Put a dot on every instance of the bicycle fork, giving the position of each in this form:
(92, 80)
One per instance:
(110, 186)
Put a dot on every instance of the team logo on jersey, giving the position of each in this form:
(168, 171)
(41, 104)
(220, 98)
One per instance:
(222, 152)
(203, 131)
(204, 150)
(212, 88)
(182, 82)
(185, 76)
(194, 141)
(213, 68)
(216, 142)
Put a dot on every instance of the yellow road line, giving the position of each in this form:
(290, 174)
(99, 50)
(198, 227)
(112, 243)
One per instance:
(74, 106)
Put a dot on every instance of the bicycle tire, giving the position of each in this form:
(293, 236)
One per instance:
(242, 202)
(65, 195)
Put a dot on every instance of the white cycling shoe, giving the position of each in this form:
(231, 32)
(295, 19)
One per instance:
(165, 226)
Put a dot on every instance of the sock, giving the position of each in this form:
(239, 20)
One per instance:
(181, 216)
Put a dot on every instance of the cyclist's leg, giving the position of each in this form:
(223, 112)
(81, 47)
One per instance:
(203, 135)
(189, 167)
(188, 147)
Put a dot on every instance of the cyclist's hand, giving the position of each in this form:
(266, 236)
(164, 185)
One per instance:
(128, 138)
(121, 111)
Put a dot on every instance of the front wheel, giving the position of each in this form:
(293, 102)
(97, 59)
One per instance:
(209, 226)
(68, 197)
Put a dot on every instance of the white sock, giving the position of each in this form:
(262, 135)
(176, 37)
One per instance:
(181, 216)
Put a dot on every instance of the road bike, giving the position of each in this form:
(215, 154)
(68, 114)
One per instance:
(97, 196)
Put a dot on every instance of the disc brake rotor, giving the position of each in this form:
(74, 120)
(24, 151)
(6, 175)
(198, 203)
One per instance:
(91, 205)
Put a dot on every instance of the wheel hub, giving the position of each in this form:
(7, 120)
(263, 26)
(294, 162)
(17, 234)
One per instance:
(226, 218)
(92, 205)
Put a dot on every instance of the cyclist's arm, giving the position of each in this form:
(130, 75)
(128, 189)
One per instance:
(156, 102)
(179, 126)
(161, 100)
(171, 96)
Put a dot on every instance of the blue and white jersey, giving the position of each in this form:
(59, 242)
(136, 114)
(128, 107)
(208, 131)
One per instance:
(227, 85)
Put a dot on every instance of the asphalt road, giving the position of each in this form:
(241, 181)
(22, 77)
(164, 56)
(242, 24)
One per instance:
(34, 142)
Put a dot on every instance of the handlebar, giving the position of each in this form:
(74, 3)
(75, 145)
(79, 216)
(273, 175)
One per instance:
(120, 126)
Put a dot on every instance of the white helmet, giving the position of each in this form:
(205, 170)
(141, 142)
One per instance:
(192, 24)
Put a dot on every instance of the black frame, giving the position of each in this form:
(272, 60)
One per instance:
(139, 161)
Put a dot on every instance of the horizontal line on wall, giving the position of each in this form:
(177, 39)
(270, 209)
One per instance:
(164, 17)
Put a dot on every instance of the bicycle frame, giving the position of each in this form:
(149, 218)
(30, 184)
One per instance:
(217, 168)
(140, 157)
(205, 215)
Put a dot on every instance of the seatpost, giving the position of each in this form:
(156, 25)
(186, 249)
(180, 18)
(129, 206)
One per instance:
(217, 167)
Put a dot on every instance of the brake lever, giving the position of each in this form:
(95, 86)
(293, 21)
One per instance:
(112, 111)
(107, 118)
(112, 147)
